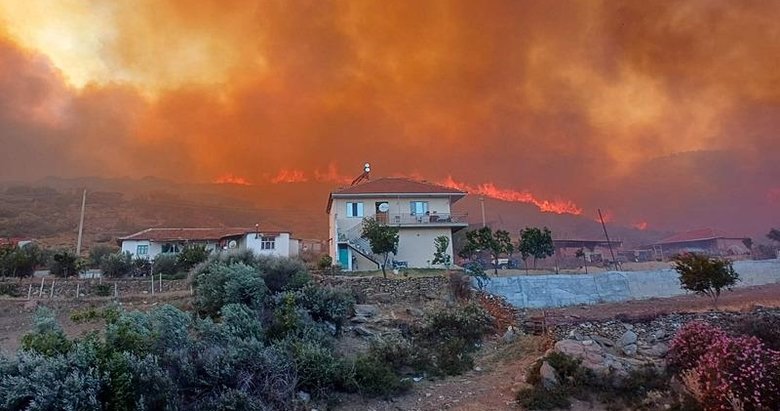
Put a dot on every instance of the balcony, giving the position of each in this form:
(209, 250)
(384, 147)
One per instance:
(432, 219)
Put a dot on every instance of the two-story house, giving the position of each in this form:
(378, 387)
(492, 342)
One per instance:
(152, 242)
(422, 211)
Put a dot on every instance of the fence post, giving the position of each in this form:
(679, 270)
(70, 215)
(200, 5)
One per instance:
(116, 292)
(29, 292)
(152, 277)
(51, 292)
(78, 290)
(161, 283)
(40, 291)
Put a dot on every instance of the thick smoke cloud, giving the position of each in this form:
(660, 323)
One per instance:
(662, 112)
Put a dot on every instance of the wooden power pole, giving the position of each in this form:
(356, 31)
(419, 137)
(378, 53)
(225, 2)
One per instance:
(81, 222)
(609, 243)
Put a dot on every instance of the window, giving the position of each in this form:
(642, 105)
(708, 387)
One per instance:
(354, 209)
(418, 207)
(170, 248)
(142, 250)
(267, 243)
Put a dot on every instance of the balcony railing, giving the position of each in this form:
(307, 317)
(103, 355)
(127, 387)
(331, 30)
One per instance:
(422, 219)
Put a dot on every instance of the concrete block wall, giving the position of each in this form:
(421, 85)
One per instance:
(542, 291)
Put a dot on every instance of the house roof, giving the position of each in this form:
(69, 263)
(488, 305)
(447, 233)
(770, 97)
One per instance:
(578, 241)
(395, 186)
(191, 234)
(702, 234)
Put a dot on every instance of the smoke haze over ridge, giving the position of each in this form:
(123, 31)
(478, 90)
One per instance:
(665, 113)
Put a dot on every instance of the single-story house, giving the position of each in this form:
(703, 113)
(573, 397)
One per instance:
(152, 242)
(706, 241)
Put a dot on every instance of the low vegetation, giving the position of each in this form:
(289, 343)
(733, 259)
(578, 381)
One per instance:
(262, 336)
(705, 275)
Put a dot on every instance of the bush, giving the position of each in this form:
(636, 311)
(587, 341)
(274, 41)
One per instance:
(11, 290)
(333, 305)
(165, 264)
(47, 337)
(469, 322)
(218, 284)
(103, 289)
(319, 370)
(190, 256)
(325, 263)
(117, 264)
(742, 371)
(765, 327)
(539, 398)
(705, 275)
(690, 343)
(282, 274)
(374, 377)
(20, 261)
(64, 264)
(98, 253)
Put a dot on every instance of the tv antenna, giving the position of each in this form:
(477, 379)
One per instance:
(366, 175)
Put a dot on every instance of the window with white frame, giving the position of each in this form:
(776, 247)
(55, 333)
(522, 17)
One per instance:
(355, 209)
(267, 243)
(418, 207)
(142, 250)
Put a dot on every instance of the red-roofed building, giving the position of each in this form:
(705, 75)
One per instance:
(421, 210)
(152, 242)
(707, 241)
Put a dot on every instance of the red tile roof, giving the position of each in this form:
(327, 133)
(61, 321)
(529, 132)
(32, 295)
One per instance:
(696, 235)
(396, 185)
(190, 234)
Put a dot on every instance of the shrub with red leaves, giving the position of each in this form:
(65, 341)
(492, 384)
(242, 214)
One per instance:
(690, 343)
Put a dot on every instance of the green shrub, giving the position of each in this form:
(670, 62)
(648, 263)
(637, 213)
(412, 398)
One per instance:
(47, 337)
(98, 253)
(165, 264)
(374, 377)
(539, 398)
(117, 264)
(190, 256)
(333, 305)
(218, 285)
(11, 290)
(469, 323)
(282, 274)
(325, 262)
(319, 370)
(103, 289)
(451, 357)
(395, 351)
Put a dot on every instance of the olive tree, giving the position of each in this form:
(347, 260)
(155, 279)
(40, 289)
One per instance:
(383, 239)
(705, 275)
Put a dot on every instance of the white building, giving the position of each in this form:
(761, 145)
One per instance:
(422, 211)
(152, 242)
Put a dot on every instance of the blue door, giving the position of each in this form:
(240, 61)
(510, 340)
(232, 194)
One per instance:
(344, 257)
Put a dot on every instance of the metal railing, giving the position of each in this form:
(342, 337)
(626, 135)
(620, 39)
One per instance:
(426, 219)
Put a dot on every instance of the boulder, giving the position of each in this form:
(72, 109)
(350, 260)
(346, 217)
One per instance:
(366, 310)
(548, 376)
(628, 338)
(605, 342)
(510, 335)
(658, 350)
(363, 331)
(630, 350)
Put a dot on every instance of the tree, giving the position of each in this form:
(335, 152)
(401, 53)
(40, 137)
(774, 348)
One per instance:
(441, 256)
(98, 253)
(64, 263)
(774, 235)
(191, 255)
(383, 239)
(117, 264)
(705, 275)
(536, 243)
(19, 261)
(484, 239)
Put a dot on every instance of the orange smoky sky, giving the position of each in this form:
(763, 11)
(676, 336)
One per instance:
(663, 112)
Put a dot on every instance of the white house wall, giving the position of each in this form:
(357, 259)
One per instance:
(416, 246)
(281, 245)
(398, 206)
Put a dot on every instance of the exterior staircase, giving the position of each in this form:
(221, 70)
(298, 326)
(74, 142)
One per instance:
(359, 244)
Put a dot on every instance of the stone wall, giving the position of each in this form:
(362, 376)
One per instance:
(541, 291)
(89, 287)
(378, 288)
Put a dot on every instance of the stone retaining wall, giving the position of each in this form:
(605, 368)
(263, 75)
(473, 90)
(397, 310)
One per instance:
(89, 287)
(378, 288)
(542, 291)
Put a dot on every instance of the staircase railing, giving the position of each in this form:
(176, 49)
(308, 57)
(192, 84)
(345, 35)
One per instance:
(353, 238)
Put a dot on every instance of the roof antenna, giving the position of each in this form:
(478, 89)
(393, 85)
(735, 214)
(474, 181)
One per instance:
(365, 176)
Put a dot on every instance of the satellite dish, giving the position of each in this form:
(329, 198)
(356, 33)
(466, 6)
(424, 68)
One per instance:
(384, 207)
(232, 244)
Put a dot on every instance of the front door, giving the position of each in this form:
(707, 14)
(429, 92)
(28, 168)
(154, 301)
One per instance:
(344, 257)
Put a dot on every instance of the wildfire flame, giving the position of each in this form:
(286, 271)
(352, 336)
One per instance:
(607, 215)
(641, 225)
(331, 175)
(490, 190)
(289, 176)
(232, 179)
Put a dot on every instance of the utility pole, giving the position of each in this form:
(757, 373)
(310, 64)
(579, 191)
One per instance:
(81, 222)
(609, 243)
(482, 204)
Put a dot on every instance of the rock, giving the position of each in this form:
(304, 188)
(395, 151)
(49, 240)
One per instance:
(630, 350)
(510, 335)
(628, 327)
(605, 342)
(659, 334)
(415, 312)
(547, 373)
(656, 350)
(363, 331)
(628, 338)
(587, 342)
(366, 310)
(304, 396)
(385, 298)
